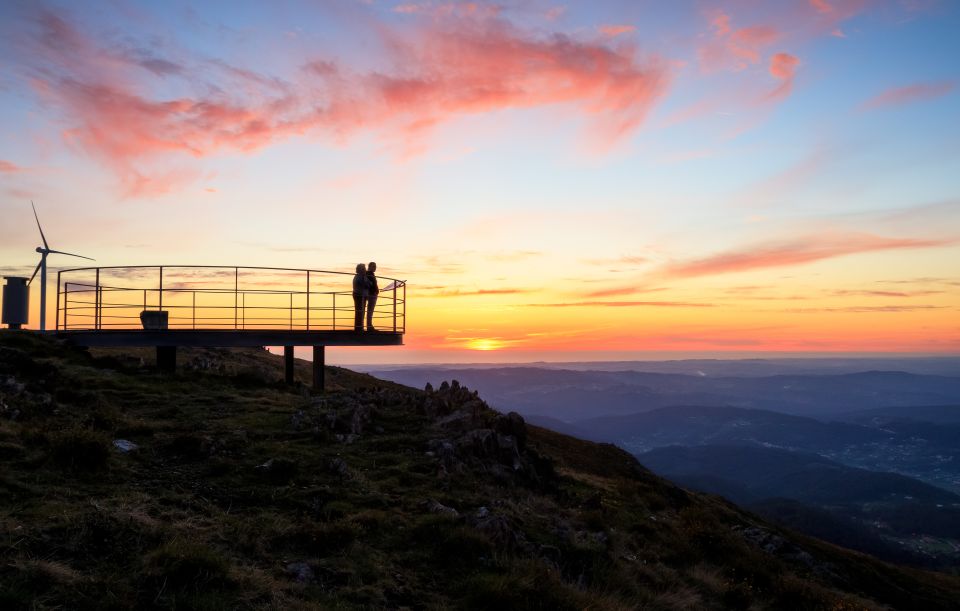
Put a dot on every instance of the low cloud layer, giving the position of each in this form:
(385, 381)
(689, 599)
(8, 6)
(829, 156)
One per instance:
(793, 252)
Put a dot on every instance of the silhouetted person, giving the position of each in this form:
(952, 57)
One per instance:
(372, 291)
(359, 296)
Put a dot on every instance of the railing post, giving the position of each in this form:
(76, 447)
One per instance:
(334, 312)
(308, 300)
(404, 306)
(66, 303)
(291, 310)
(57, 323)
(194, 310)
(394, 307)
(160, 301)
(96, 302)
(236, 287)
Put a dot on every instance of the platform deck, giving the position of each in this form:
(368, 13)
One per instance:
(228, 338)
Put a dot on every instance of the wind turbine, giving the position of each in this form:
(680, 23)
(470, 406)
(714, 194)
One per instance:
(42, 268)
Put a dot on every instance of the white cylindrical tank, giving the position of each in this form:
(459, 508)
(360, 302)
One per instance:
(16, 302)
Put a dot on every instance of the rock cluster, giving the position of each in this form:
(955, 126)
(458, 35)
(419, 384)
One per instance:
(478, 438)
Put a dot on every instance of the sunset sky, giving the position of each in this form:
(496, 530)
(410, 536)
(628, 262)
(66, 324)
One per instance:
(609, 179)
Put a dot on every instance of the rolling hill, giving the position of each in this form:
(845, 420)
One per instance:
(220, 487)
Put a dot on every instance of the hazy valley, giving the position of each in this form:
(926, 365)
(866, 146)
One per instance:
(878, 452)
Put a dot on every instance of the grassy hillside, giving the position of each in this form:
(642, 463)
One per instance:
(244, 493)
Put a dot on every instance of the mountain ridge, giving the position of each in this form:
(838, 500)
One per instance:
(238, 491)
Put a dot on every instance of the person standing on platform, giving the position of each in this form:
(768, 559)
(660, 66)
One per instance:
(372, 291)
(359, 296)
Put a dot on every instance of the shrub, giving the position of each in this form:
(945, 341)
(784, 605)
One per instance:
(187, 565)
(449, 543)
(526, 586)
(326, 539)
(80, 450)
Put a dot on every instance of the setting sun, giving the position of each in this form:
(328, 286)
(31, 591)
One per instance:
(485, 344)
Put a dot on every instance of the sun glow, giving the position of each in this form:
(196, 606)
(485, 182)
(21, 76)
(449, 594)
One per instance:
(485, 344)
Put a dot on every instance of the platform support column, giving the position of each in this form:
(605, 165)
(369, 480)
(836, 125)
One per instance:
(167, 358)
(288, 364)
(319, 363)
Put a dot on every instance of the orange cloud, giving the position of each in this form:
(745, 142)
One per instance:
(794, 252)
(622, 304)
(867, 309)
(623, 290)
(616, 30)
(479, 292)
(869, 293)
(464, 62)
(909, 94)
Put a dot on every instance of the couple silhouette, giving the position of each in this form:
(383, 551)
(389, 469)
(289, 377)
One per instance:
(365, 291)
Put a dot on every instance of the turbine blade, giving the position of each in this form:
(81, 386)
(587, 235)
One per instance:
(42, 237)
(35, 272)
(70, 254)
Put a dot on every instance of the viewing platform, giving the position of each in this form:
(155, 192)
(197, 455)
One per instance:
(168, 306)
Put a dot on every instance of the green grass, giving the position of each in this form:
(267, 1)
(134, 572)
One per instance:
(225, 494)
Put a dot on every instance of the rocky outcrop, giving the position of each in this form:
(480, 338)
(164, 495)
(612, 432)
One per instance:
(481, 439)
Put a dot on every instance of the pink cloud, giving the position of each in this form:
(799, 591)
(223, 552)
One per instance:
(453, 64)
(783, 66)
(828, 14)
(8, 167)
(918, 92)
(615, 30)
(720, 22)
(448, 9)
(555, 12)
(734, 48)
(794, 252)
(822, 6)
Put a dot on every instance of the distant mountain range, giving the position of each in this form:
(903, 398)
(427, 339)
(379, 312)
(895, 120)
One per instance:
(923, 450)
(575, 395)
(750, 473)
(698, 425)
(747, 367)
(886, 514)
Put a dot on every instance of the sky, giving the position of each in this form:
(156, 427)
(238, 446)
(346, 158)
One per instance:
(599, 180)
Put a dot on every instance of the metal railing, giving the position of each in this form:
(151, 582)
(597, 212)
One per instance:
(210, 297)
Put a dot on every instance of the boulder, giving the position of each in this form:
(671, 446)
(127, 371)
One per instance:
(434, 506)
(125, 446)
(512, 424)
(301, 572)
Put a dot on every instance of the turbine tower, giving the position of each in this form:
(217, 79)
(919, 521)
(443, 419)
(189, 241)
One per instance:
(42, 268)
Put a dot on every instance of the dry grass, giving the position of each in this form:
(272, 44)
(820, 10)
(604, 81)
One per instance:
(193, 519)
